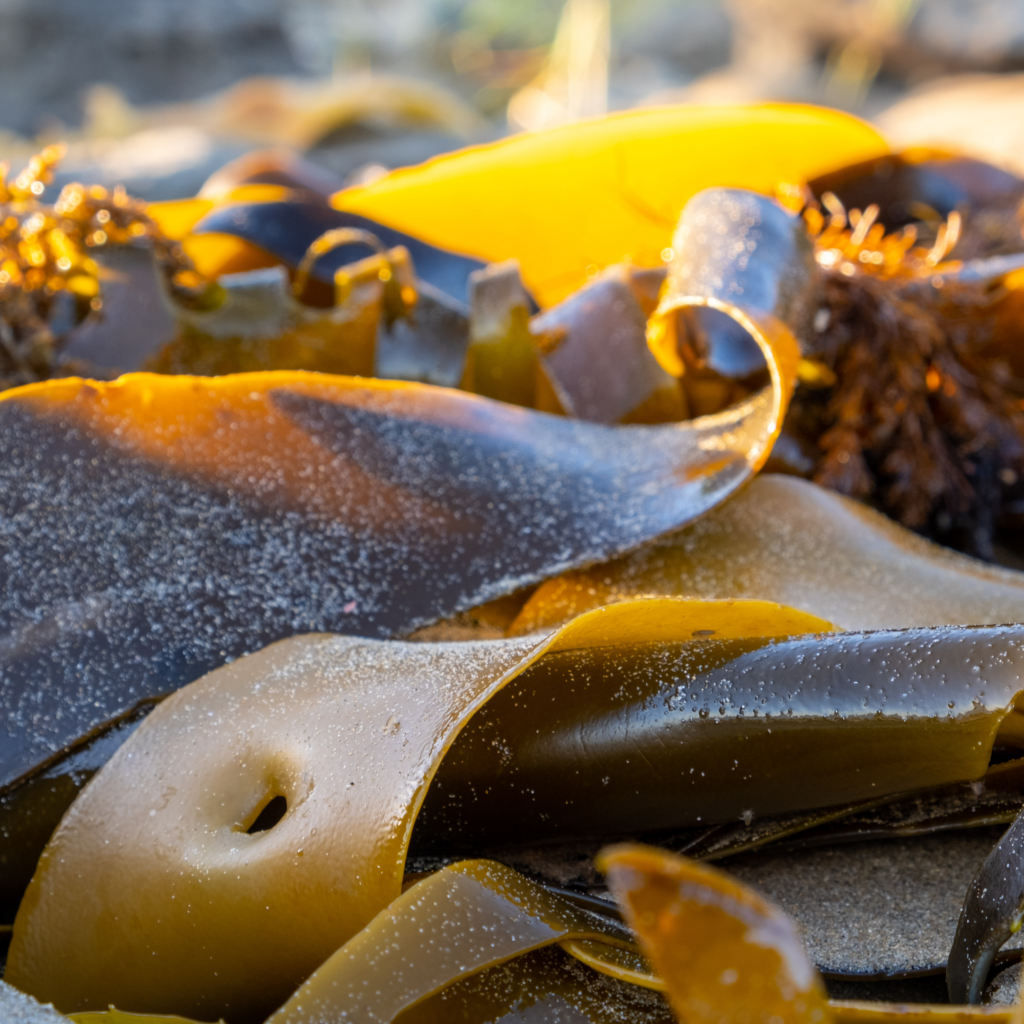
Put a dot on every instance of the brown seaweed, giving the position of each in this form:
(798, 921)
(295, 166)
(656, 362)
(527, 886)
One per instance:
(417, 948)
(593, 354)
(739, 254)
(350, 737)
(733, 727)
(343, 735)
(287, 228)
(787, 540)
(992, 912)
(159, 526)
(922, 188)
(723, 952)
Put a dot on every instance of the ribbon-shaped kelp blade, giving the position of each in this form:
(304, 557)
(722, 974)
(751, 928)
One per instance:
(464, 919)
(163, 882)
(744, 729)
(992, 912)
(155, 527)
(278, 795)
(787, 540)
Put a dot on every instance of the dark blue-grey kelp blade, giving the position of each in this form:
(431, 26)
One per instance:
(286, 229)
(992, 912)
(126, 576)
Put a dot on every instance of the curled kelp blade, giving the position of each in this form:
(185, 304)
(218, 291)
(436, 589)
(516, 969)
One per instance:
(743, 256)
(992, 912)
(452, 925)
(787, 540)
(547, 986)
(157, 526)
(276, 796)
(582, 196)
(286, 229)
(722, 951)
(744, 728)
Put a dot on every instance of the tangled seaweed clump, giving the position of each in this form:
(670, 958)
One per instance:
(248, 773)
(913, 402)
(50, 279)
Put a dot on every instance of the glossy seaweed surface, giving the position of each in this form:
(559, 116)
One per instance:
(185, 882)
(667, 736)
(157, 527)
(591, 734)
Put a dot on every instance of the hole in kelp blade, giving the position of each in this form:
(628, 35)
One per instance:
(273, 811)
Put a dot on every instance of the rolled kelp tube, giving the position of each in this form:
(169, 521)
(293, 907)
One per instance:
(740, 260)
(278, 795)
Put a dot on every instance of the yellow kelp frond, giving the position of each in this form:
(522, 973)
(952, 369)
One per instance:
(591, 194)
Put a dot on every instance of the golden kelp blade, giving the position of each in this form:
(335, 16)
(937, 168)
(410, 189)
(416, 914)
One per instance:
(545, 987)
(454, 924)
(784, 539)
(723, 952)
(594, 193)
(277, 796)
(348, 733)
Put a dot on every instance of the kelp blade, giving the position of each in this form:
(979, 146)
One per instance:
(723, 952)
(739, 255)
(992, 912)
(590, 194)
(659, 737)
(787, 540)
(452, 925)
(748, 954)
(545, 987)
(157, 526)
(346, 735)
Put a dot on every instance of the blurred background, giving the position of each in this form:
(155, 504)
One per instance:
(159, 93)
